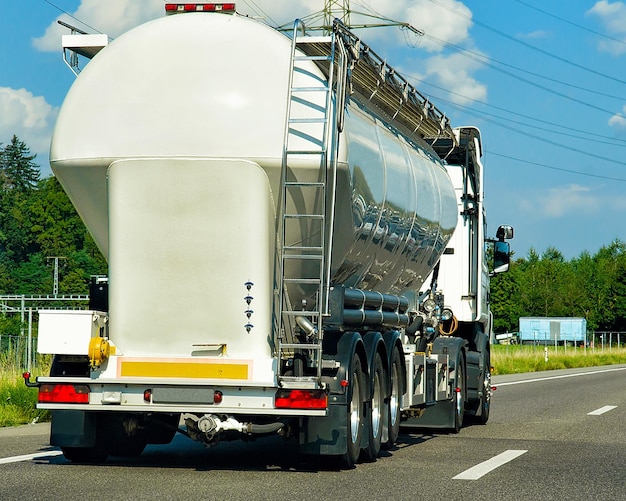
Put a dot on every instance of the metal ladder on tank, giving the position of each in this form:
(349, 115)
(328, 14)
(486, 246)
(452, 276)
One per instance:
(315, 255)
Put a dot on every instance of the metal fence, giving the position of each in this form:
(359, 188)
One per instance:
(19, 351)
(594, 340)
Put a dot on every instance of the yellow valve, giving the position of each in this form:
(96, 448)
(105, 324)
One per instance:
(99, 350)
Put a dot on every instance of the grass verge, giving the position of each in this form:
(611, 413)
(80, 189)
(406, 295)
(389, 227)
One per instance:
(17, 401)
(516, 359)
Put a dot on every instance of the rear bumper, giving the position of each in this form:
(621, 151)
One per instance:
(168, 397)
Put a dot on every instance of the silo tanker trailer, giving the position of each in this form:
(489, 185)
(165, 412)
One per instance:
(295, 239)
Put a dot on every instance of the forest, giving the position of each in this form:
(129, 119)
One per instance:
(39, 223)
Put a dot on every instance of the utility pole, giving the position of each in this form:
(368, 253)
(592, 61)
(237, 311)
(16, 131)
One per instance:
(55, 289)
(336, 9)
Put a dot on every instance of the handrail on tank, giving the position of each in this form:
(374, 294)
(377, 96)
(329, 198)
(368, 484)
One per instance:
(439, 122)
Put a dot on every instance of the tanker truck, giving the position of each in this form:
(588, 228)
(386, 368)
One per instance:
(295, 239)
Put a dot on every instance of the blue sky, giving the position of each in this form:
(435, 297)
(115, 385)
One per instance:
(544, 81)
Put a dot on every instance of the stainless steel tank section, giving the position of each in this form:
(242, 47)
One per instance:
(215, 86)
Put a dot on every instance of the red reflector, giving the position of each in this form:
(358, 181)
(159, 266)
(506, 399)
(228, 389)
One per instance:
(218, 396)
(64, 394)
(301, 399)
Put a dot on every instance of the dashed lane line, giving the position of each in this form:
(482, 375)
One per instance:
(602, 410)
(29, 457)
(485, 467)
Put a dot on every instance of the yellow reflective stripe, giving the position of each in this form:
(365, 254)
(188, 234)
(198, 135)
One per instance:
(207, 370)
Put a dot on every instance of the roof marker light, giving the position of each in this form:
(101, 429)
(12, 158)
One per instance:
(175, 8)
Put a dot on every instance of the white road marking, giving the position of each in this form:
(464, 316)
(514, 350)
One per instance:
(29, 457)
(560, 377)
(602, 410)
(485, 467)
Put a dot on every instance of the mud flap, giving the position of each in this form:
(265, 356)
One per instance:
(327, 435)
(73, 428)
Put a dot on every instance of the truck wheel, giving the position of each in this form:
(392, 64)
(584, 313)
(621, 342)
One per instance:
(459, 393)
(88, 455)
(130, 447)
(354, 413)
(485, 400)
(377, 409)
(393, 408)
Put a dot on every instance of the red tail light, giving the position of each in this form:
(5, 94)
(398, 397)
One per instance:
(301, 399)
(64, 394)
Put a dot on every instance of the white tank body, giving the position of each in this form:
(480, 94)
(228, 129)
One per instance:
(209, 90)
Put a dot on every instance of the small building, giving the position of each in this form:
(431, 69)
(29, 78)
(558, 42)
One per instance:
(552, 330)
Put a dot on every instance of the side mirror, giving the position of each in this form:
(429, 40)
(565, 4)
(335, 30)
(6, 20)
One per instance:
(501, 256)
(505, 232)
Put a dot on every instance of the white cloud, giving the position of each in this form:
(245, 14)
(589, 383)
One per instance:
(613, 18)
(566, 200)
(619, 120)
(112, 17)
(453, 73)
(27, 116)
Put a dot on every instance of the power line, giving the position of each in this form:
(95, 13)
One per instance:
(567, 21)
(254, 7)
(492, 63)
(570, 171)
(593, 136)
(493, 118)
(70, 15)
(527, 45)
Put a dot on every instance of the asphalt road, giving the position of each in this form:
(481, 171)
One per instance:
(541, 443)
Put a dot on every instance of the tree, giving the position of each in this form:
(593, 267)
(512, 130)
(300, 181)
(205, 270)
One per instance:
(18, 171)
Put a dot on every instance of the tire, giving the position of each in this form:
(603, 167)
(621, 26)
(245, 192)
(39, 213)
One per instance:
(85, 455)
(377, 410)
(130, 447)
(459, 393)
(485, 400)
(354, 413)
(393, 406)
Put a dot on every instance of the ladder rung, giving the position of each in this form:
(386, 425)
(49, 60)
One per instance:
(305, 152)
(310, 89)
(312, 58)
(314, 184)
(304, 216)
(310, 39)
(304, 257)
(307, 120)
(295, 313)
(298, 346)
(302, 280)
(316, 248)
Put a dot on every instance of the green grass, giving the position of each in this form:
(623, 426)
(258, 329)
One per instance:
(17, 401)
(517, 359)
